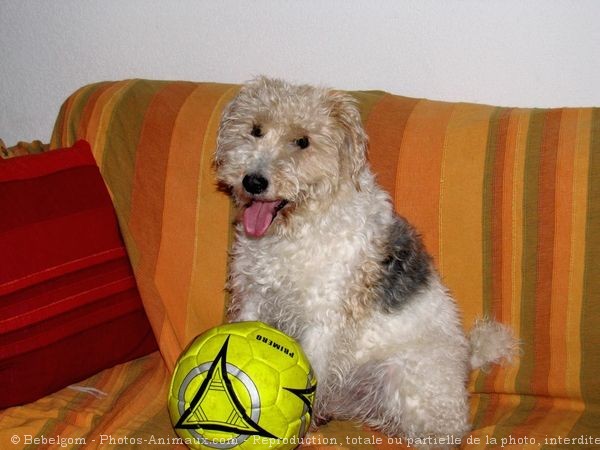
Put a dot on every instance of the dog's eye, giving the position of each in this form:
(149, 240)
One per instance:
(256, 131)
(303, 142)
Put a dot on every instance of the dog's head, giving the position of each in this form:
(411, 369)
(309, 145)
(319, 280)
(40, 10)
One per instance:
(282, 146)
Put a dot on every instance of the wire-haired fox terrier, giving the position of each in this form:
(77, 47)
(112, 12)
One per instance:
(321, 255)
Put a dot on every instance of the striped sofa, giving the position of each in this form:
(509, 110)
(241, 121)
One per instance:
(507, 201)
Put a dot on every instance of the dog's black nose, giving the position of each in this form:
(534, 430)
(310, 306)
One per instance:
(255, 184)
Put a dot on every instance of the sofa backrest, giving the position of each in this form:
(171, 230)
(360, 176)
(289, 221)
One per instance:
(507, 201)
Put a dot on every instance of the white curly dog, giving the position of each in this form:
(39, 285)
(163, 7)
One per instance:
(321, 255)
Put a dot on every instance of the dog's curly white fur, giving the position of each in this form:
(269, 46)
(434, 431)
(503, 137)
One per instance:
(321, 255)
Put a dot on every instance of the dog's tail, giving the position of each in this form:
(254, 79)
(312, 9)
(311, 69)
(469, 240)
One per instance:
(491, 343)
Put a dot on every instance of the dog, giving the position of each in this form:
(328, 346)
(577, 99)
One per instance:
(320, 254)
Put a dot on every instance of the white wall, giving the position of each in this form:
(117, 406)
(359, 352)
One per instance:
(508, 52)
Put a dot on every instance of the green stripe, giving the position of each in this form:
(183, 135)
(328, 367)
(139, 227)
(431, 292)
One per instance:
(482, 407)
(487, 241)
(530, 241)
(518, 417)
(590, 311)
(80, 99)
(528, 275)
(122, 138)
(590, 325)
(366, 101)
(491, 155)
(493, 152)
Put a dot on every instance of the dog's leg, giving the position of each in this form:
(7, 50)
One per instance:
(424, 399)
(317, 342)
(242, 311)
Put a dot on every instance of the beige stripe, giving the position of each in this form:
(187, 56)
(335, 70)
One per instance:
(463, 159)
(518, 131)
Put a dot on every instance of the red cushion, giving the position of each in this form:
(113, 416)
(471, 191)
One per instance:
(69, 305)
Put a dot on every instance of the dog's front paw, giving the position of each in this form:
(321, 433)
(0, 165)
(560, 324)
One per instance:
(318, 420)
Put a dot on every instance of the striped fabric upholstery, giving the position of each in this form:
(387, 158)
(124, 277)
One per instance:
(507, 201)
(122, 407)
(154, 142)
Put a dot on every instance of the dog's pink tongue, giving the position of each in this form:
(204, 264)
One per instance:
(258, 216)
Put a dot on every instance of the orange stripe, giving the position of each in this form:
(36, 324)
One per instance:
(549, 418)
(213, 227)
(88, 109)
(174, 259)
(545, 252)
(504, 379)
(562, 255)
(151, 166)
(145, 224)
(183, 192)
(496, 417)
(385, 126)
(542, 407)
(419, 169)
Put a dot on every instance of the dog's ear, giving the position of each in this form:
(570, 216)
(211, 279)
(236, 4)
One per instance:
(344, 110)
(225, 114)
(228, 114)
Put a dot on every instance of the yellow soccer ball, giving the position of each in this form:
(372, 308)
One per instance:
(242, 385)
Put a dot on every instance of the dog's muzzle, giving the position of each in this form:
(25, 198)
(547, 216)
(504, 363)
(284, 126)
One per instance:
(259, 213)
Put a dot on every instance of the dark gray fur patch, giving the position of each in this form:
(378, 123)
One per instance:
(406, 267)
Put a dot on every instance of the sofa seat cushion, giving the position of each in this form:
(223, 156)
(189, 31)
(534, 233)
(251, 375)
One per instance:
(69, 305)
(124, 407)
